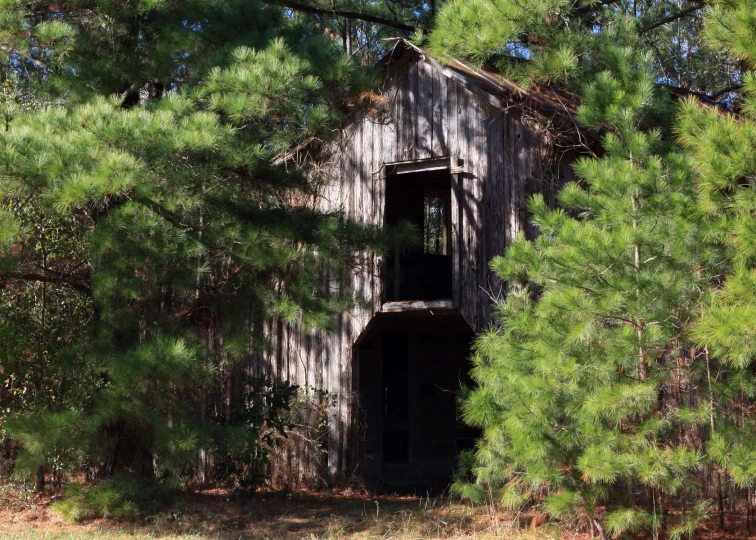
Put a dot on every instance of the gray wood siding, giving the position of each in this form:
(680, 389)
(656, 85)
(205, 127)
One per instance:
(427, 114)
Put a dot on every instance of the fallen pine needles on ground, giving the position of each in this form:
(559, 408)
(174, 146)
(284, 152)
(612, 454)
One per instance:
(347, 515)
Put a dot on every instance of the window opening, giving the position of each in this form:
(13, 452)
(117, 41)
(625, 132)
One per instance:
(422, 270)
(434, 222)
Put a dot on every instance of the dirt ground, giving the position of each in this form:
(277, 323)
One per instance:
(305, 515)
(301, 515)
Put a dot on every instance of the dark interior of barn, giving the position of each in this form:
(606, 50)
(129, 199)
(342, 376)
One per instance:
(412, 367)
(422, 271)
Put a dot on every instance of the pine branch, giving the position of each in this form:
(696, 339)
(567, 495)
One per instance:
(12, 51)
(726, 90)
(590, 6)
(338, 12)
(671, 18)
(599, 528)
(46, 278)
(702, 96)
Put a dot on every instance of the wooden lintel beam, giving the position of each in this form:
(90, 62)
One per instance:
(419, 166)
(416, 305)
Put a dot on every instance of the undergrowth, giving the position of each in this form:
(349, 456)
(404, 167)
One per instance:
(119, 498)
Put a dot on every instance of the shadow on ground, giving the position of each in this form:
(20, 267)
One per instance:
(310, 515)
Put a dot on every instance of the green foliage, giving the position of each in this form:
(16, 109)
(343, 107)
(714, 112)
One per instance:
(47, 439)
(152, 221)
(721, 150)
(498, 24)
(627, 520)
(249, 436)
(642, 285)
(41, 326)
(579, 394)
(730, 28)
(554, 41)
(690, 521)
(120, 498)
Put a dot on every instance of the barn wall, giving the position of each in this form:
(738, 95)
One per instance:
(426, 114)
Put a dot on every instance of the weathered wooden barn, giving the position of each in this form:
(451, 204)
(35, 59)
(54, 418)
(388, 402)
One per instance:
(456, 151)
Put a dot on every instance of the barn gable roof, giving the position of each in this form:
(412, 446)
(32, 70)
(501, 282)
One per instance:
(557, 107)
(550, 102)
(490, 85)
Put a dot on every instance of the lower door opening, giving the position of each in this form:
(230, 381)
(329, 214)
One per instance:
(411, 370)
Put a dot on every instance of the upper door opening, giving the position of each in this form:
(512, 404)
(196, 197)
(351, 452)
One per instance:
(421, 197)
(436, 224)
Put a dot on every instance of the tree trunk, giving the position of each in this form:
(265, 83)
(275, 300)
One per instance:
(39, 484)
(720, 503)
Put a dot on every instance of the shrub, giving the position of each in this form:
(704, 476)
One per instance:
(120, 498)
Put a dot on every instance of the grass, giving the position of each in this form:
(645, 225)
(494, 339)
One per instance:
(303, 515)
(348, 515)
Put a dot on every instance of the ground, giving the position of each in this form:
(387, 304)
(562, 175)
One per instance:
(303, 515)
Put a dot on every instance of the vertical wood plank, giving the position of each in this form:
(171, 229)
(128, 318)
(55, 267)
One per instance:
(424, 107)
(511, 177)
(466, 273)
(345, 288)
(390, 127)
(410, 114)
(452, 124)
(439, 146)
(376, 208)
(496, 197)
(523, 167)
(359, 284)
(310, 420)
(474, 229)
(333, 411)
(402, 110)
(481, 156)
(295, 375)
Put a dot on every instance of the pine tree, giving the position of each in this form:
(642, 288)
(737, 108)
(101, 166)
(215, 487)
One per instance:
(554, 37)
(157, 135)
(588, 386)
(722, 153)
(576, 385)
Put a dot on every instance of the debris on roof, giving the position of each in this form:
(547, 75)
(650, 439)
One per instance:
(547, 100)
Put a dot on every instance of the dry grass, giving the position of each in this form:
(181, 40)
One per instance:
(220, 515)
(302, 515)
